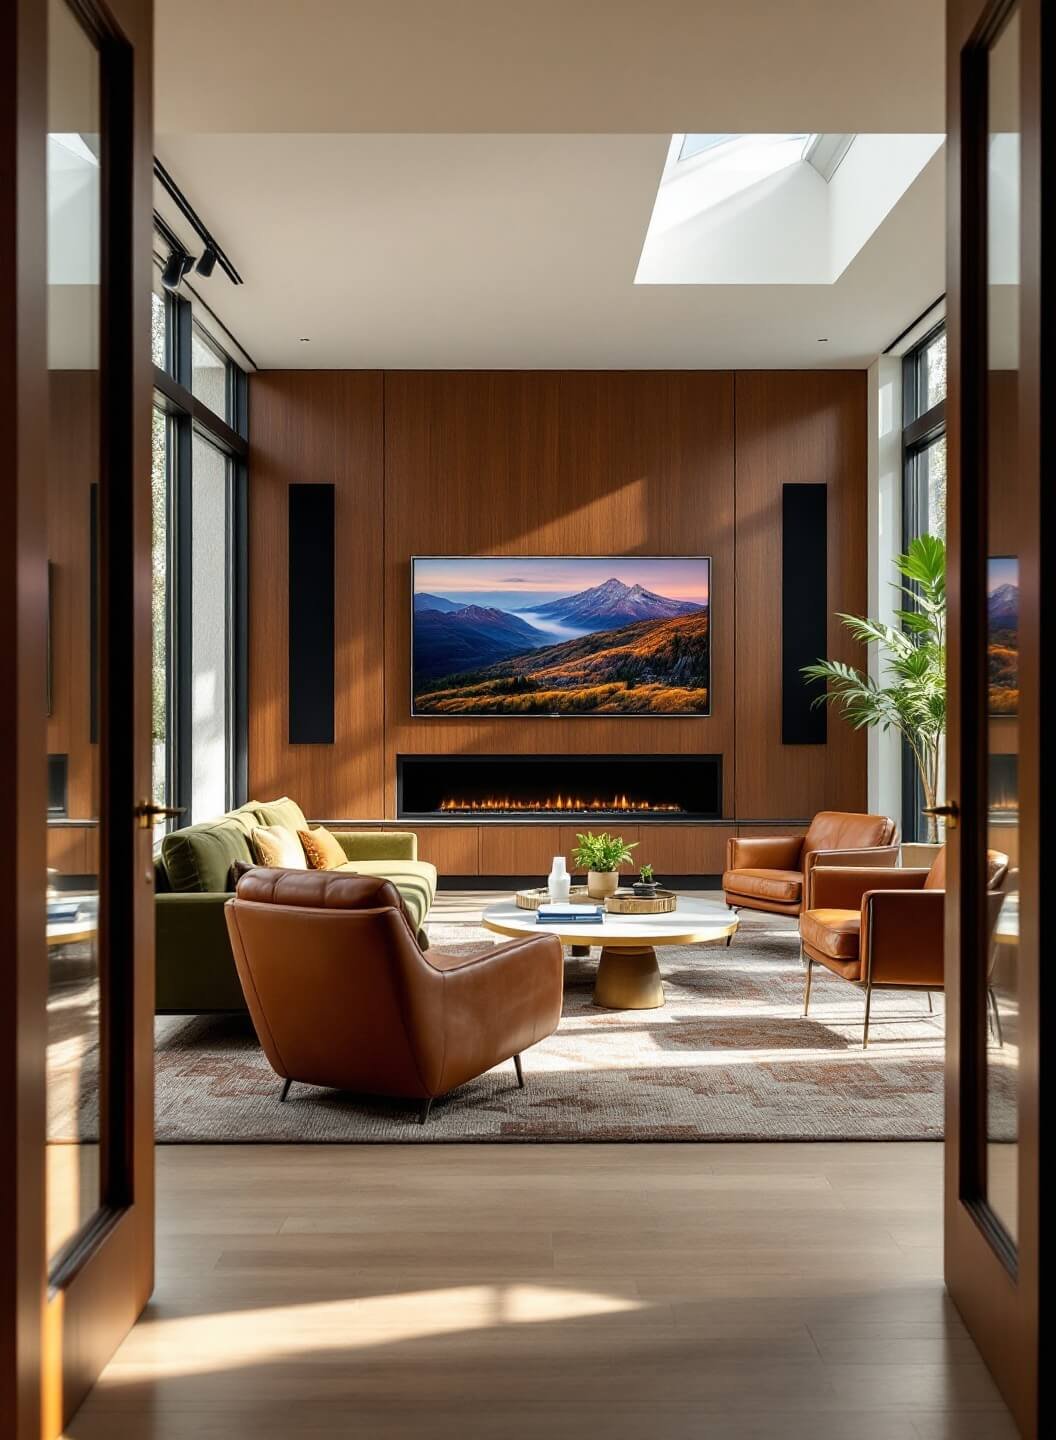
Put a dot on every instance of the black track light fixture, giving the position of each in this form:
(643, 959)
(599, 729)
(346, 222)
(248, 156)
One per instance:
(212, 251)
(176, 267)
(206, 262)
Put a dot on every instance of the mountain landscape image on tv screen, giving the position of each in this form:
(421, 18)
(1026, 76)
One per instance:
(546, 635)
(1002, 608)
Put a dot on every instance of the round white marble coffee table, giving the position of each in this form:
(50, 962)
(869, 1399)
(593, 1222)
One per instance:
(628, 975)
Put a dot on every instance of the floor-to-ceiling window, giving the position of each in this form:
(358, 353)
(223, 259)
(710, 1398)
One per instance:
(198, 486)
(924, 493)
(924, 436)
(211, 630)
(161, 608)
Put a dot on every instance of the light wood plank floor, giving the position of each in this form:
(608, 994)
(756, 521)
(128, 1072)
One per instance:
(646, 1292)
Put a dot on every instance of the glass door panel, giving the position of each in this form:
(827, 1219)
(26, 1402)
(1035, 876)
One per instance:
(76, 998)
(999, 955)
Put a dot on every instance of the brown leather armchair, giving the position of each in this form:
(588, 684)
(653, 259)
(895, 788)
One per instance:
(341, 993)
(884, 930)
(773, 872)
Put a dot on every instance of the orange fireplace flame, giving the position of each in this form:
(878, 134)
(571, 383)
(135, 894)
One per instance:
(560, 804)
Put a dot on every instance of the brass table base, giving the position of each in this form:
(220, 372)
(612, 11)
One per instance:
(628, 978)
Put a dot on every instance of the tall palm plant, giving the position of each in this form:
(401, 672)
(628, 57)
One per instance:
(913, 665)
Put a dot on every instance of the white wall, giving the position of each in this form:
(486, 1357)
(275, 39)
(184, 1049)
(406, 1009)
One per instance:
(871, 179)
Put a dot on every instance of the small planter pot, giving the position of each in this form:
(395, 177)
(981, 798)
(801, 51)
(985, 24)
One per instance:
(602, 883)
(646, 888)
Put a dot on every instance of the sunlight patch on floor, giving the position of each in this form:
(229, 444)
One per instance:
(200, 1344)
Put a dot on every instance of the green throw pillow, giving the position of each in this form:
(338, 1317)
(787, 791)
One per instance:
(200, 857)
(284, 812)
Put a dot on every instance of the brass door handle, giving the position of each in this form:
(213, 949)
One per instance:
(146, 812)
(950, 813)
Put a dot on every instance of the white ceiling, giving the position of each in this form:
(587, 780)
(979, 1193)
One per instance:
(469, 184)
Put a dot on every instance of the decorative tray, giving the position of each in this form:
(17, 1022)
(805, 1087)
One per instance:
(532, 899)
(626, 902)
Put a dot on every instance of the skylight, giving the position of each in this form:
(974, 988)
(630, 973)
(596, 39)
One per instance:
(824, 152)
(774, 209)
(756, 150)
(704, 171)
(697, 144)
(77, 146)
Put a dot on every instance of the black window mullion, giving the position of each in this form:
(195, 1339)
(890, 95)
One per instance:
(183, 628)
(182, 326)
(926, 428)
(239, 411)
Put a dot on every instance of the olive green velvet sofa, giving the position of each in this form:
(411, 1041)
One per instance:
(194, 876)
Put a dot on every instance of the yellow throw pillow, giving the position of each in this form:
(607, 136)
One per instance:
(278, 847)
(322, 848)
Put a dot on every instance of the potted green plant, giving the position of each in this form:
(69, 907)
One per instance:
(601, 857)
(646, 884)
(913, 662)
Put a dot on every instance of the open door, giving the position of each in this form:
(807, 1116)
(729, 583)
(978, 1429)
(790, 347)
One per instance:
(999, 442)
(78, 928)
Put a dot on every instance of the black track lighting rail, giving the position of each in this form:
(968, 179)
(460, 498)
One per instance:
(212, 252)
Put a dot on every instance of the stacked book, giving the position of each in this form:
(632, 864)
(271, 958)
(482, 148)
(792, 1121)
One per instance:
(62, 911)
(570, 913)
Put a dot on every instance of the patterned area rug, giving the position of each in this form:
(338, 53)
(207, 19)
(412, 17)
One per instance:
(728, 1057)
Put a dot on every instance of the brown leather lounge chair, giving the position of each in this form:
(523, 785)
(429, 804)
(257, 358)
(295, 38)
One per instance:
(773, 872)
(885, 931)
(341, 994)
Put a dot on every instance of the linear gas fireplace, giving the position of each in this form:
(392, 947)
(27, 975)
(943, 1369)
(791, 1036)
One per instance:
(1004, 790)
(548, 787)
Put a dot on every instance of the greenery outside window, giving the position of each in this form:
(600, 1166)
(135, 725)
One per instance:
(161, 649)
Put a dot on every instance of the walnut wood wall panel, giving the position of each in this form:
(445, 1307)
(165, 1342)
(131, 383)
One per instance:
(318, 427)
(796, 427)
(74, 394)
(558, 463)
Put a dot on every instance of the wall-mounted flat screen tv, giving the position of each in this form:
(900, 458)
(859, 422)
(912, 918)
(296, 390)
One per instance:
(1002, 607)
(561, 635)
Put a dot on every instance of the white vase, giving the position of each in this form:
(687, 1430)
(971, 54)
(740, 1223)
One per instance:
(602, 883)
(559, 882)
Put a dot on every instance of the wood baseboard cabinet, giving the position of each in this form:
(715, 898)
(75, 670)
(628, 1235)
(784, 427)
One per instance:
(73, 849)
(684, 849)
(453, 849)
(529, 849)
(518, 849)
(490, 849)
(767, 830)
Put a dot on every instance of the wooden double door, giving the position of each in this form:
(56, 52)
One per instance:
(76, 940)
(1000, 427)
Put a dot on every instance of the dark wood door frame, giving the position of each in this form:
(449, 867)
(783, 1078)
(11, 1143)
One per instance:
(23, 605)
(54, 1342)
(995, 1285)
